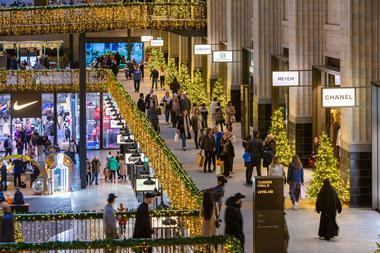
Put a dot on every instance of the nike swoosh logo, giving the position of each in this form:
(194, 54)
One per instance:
(18, 107)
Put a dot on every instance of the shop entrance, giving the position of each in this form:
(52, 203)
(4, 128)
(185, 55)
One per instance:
(326, 119)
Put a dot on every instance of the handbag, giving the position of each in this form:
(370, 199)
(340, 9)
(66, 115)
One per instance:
(200, 159)
(159, 111)
(176, 137)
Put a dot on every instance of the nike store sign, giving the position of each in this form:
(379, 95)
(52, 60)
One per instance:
(26, 105)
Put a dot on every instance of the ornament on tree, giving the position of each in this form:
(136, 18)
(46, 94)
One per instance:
(326, 166)
(284, 149)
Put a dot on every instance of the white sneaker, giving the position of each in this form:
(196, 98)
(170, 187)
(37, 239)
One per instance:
(295, 206)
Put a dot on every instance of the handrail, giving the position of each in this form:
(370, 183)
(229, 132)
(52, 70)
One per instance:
(99, 215)
(102, 17)
(229, 244)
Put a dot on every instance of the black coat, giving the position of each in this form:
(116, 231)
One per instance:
(327, 204)
(175, 86)
(207, 143)
(256, 149)
(141, 105)
(7, 228)
(234, 220)
(143, 225)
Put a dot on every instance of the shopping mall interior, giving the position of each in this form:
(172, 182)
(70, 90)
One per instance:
(190, 126)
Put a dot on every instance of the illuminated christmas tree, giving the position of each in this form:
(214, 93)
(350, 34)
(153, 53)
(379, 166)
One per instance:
(284, 149)
(184, 77)
(197, 90)
(171, 71)
(326, 166)
(156, 59)
(219, 92)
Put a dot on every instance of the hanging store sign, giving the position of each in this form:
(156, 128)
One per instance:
(117, 124)
(338, 97)
(157, 43)
(222, 56)
(26, 105)
(146, 38)
(120, 139)
(285, 78)
(202, 49)
(146, 185)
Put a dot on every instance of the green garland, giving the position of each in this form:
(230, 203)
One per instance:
(99, 215)
(230, 244)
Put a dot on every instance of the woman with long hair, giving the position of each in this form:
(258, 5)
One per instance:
(209, 212)
(327, 204)
(295, 180)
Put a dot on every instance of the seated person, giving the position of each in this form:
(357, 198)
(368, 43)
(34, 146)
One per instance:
(8, 199)
(18, 199)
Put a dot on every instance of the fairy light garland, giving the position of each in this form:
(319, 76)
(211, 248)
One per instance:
(102, 17)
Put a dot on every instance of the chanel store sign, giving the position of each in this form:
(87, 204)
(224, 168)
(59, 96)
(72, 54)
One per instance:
(338, 97)
(285, 78)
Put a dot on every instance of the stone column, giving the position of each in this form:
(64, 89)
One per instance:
(359, 66)
(305, 27)
(266, 37)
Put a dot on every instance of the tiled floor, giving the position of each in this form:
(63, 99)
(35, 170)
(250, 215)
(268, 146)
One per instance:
(358, 227)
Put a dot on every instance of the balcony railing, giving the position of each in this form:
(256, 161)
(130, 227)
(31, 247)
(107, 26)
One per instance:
(215, 244)
(102, 17)
(175, 181)
(88, 226)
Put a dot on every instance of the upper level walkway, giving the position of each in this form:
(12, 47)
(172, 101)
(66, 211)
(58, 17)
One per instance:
(156, 15)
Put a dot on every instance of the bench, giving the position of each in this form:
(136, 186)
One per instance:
(20, 208)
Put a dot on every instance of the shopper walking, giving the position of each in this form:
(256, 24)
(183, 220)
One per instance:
(204, 113)
(256, 151)
(276, 169)
(328, 204)
(143, 223)
(137, 79)
(153, 112)
(183, 127)
(162, 78)
(212, 110)
(89, 171)
(7, 224)
(154, 75)
(227, 155)
(209, 214)
(4, 175)
(72, 150)
(233, 218)
(113, 166)
(8, 146)
(141, 103)
(18, 166)
(184, 103)
(109, 218)
(295, 180)
(269, 151)
(166, 104)
(196, 125)
(217, 192)
(123, 169)
(175, 86)
(175, 110)
(95, 165)
(230, 114)
(219, 117)
(208, 145)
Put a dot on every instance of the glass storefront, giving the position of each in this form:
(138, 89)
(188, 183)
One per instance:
(99, 135)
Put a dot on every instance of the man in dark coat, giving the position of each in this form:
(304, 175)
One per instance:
(143, 225)
(175, 86)
(18, 166)
(233, 218)
(7, 224)
(4, 174)
(256, 150)
(327, 204)
(141, 103)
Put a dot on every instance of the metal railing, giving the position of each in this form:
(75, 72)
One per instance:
(88, 226)
(102, 17)
(215, 244)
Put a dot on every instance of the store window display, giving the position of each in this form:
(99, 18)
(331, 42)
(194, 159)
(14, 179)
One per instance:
(109, 134)
(93, 120)
(5, 118)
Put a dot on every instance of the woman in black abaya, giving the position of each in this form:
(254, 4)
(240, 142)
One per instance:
(327, 204)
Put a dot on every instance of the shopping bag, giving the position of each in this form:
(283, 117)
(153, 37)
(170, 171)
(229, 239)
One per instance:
(200, 159)
(219, 167)
(303, 192)
(176, 137)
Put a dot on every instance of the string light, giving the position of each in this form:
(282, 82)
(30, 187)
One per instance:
(102, 17)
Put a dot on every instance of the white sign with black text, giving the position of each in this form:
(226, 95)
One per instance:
(222, 56)
(285, 78)
(338, 97)
(146, 38)
(114, 124)
(202, 49)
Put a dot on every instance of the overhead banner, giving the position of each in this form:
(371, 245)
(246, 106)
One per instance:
(146, 38)
(157, 43)
(26, 105)
(285, 78)
(222, 56)
(202, 49)
(338, 97)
